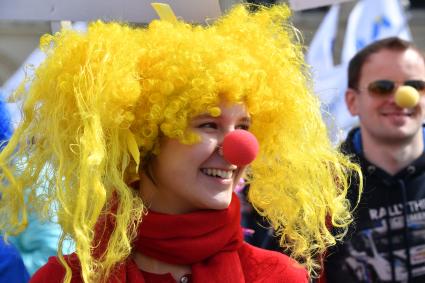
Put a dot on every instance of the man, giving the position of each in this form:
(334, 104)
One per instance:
(387, 239)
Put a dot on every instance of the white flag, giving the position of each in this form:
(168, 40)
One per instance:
(320, 56)
(371, 20)
(329, 80)
(320, 51)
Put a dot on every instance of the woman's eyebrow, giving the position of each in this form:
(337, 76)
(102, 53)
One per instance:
(203, 116)
(246, 120)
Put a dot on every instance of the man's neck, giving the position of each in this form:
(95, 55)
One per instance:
(392, 157)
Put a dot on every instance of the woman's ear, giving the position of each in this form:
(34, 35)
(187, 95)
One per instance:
(131, 176)
(146, 168)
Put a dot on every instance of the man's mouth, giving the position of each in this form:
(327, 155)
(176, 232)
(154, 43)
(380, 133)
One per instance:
(406, 114)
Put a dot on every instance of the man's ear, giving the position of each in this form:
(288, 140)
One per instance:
(351, 100)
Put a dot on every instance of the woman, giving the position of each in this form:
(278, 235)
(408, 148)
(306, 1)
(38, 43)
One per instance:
(128, 123)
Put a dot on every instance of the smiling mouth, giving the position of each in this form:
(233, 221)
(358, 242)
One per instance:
(398, 114)
(218, 173)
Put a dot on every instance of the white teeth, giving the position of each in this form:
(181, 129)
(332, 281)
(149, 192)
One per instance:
(224, 174)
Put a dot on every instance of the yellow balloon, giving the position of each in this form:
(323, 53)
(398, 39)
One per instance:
(406, 96)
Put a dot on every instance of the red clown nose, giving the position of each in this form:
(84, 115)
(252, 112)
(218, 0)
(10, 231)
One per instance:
(240, 147)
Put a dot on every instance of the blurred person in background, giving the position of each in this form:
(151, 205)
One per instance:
(39, 240)
(12, 268)
(386, 242)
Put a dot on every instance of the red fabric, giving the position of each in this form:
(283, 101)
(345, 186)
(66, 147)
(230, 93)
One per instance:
(162, 278)
(190, 238)
(266, 266)
(258, 265)
(322, 277)
(210, 241)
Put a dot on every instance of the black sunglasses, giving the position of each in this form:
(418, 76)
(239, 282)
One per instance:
(385, 87)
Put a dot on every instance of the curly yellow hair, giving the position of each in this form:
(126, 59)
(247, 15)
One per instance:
(96, 107)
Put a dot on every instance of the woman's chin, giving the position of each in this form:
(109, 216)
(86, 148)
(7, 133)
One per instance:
(221, 201)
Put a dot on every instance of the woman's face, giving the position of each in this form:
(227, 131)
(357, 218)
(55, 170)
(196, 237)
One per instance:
(194, 177)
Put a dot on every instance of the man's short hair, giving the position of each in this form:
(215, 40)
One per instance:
(356, 63)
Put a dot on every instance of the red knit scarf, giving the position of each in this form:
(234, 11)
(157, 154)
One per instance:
(206, 240)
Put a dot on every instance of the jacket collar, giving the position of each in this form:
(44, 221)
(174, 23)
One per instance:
(353, 147)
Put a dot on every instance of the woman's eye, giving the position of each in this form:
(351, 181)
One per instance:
(243, 127)
(209, 125)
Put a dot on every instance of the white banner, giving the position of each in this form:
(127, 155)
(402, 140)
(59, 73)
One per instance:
(329, 80)
(309, 4)
(320, 51)
(371, 20)
(137, 11)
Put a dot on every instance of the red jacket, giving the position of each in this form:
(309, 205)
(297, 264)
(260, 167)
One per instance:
(258, 265)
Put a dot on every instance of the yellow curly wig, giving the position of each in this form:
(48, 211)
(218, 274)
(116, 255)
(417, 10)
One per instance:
(96, 107)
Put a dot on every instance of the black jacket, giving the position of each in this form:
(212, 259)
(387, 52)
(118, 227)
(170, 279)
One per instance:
(386, 242)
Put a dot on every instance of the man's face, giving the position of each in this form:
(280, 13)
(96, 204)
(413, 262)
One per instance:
(380, 118)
